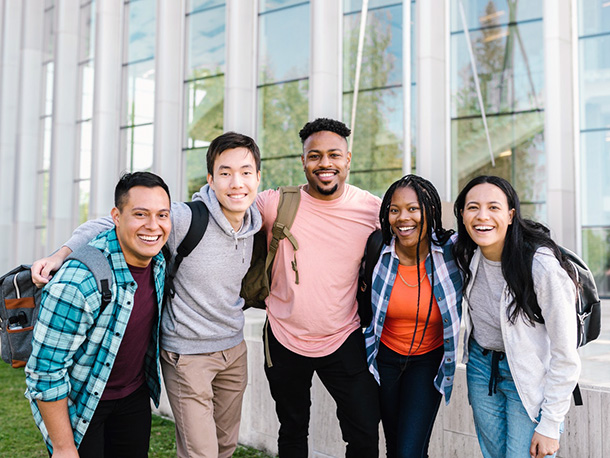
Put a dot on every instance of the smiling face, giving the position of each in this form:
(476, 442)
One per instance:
(142, 224)
(407, 221)
(326, 163)
(234, 181)
(486, 217)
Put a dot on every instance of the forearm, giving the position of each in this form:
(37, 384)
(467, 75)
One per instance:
(87, 231)
(57, 421)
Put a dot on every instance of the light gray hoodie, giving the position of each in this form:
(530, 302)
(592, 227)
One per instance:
(206, 313)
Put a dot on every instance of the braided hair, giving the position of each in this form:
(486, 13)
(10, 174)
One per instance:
(431, 213)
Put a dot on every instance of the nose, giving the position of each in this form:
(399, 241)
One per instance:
(325, 160)
(236, 180)
(152, 222)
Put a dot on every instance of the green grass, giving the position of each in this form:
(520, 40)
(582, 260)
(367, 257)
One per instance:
(20, 438)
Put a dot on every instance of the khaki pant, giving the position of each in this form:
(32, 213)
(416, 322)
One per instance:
(205, 392)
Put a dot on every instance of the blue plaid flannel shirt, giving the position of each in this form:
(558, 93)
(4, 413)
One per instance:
(73, 349)
(448, 293)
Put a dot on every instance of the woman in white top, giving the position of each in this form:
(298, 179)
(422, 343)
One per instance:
(520, 340)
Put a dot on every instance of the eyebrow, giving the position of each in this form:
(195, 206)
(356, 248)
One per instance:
(226, 167)
(319, 151)
(148, 209)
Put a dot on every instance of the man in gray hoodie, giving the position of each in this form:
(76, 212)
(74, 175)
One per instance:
(203, 352)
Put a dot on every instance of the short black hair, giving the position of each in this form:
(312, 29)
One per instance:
(131, 180)
(230, 140)
(324, 124)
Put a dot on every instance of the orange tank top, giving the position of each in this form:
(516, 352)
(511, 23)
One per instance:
(402, 315)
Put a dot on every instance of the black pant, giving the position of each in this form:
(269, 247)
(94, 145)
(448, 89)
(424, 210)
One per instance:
(345, 375)
(119, 428)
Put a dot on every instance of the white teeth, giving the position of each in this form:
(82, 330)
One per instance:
(237, 196)
(149, 238)
(326, 175)
(483, 228)
(406, 228)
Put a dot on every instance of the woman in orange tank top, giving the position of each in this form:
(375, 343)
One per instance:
(416, 300)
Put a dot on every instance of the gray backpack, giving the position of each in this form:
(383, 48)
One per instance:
(20, 302)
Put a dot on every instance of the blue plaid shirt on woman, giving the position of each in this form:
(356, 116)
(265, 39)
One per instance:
(448, 293)
(74, 346)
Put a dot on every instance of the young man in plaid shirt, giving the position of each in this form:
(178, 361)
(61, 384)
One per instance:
(92, 372)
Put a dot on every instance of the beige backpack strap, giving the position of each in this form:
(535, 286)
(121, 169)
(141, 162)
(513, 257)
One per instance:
(288, 205)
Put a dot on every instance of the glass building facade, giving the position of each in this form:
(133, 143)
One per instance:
(447, 89)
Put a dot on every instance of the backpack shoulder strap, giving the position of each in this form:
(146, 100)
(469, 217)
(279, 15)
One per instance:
(288, 205)
(98, 265)
(199, 223)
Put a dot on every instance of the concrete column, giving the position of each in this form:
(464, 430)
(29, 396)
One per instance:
(105, 166)
(168, 94)
(63, 131)
(407, 78)
(10, 52)
(28, 131)
(326, 62)
(432, 95)
(240, 74)
(559, 127)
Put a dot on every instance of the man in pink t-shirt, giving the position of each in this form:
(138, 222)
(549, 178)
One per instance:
(313, 325)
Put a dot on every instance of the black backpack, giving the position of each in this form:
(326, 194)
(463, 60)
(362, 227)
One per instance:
(20, 303)
(372, 251)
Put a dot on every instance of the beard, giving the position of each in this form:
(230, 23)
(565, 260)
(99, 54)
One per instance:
(328, 192)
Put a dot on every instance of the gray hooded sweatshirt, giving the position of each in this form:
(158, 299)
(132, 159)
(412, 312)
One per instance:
(206, 313)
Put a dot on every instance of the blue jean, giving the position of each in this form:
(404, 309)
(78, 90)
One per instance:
(409, 400)
(504, 428)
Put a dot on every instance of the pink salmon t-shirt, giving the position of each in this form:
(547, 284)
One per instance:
(316, 316)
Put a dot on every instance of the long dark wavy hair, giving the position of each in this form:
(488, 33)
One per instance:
(523, 238)
(431, 211)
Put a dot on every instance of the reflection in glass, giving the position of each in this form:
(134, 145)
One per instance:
(196, 170)
(86, 32)
(378, 136)
(486, 13)
(84, 192)
(85, 150)
(287, 171)
(268, 5)
(595, 82)
(141, 29)
(205, 111)
(283, 111)
(199, 5)
(510, 65)
(139, 147)
(593, 17)
(382, 53)
(595, 185)
(518, 153)
(139, 89)
(206, 43)
(351, 6)
(596, 252)
(284, 38)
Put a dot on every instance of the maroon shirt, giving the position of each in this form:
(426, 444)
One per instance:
(128, 370)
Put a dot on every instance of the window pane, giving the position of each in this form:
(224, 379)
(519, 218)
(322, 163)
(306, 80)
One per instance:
(206, 46)
(268, 5)
(48, 74)
(141, 30)
(86, 32)
(377, 134)
(46, 143)
(196, 170)
(87, 76)
(282, 172)
(382, 52)
(282, 112)
(518, 146)
(140, 91)
(375, 182)
(139, 147)
(84, 191)
(205, 111)
(594, 17)
(485, 13)
(350, 6)
(595, 185)
(284, 45)
(198, 5)
(511, 77)
(596, 253)
(85, 150)
(49, 35)
(595, 82)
